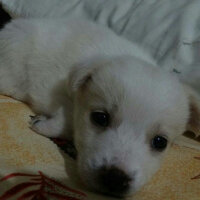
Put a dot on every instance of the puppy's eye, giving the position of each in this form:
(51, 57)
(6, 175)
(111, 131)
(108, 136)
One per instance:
(159, 143)
(100, 118)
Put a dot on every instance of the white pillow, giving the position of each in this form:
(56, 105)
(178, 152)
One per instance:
(41, 8)
(169, 30)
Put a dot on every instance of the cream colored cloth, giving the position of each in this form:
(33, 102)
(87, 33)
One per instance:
(33, 166)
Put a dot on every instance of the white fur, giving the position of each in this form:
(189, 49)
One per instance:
(47, 63)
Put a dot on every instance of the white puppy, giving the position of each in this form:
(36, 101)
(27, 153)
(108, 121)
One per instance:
(100, 90)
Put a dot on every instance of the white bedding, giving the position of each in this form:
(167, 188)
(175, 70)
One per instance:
(169, 30)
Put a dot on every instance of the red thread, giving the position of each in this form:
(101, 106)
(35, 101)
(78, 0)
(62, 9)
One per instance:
(16, 174)
(16, 189)
(39, 194)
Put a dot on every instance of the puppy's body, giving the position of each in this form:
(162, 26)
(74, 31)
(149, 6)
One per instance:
(69, 69)
(38, 55)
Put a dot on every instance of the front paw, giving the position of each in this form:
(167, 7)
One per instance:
(51, 126)
(37, 122)
(37, 118)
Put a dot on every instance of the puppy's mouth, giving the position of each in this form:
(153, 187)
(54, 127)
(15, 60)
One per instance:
(99, 189)
(67, 146)
(105, 192)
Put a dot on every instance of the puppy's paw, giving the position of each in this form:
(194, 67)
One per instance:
(46, 126)
(38, 123)
(36, 119)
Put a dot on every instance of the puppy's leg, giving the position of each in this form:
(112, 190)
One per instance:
(54, 126)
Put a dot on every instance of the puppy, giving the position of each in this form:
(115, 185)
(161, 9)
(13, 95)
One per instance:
(87, 84)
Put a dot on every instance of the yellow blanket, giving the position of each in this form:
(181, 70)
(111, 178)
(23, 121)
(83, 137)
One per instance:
(33, 167)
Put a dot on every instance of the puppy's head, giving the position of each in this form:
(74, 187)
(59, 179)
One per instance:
(126, 115)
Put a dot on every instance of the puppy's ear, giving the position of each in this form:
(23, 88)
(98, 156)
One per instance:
(194, 105)
(79, 77)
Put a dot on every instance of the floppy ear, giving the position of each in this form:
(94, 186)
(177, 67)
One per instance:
(79, 77)
(194, 105)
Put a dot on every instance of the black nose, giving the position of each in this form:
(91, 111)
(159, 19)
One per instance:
(114, 180)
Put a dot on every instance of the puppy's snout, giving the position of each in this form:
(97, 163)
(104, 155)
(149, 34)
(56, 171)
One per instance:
(114, 180)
